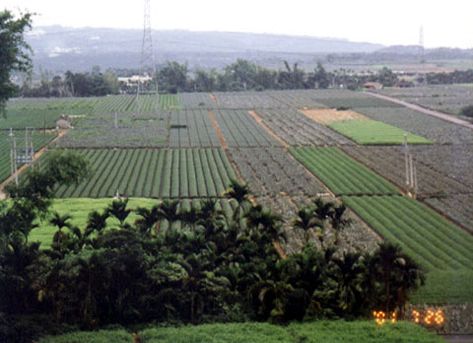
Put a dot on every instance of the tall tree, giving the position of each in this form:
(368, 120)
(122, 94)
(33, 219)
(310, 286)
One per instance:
(14, 52)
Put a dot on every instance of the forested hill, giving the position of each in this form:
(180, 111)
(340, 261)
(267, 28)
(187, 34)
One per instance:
(60, 48)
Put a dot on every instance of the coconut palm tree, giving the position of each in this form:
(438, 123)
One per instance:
(149, 218)
(339, 221)
(96, 222)
(119, 210)
(306, 220)
(60, 221)
(241, 193)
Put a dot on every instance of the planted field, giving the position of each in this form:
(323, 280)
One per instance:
(169, 102)
(191, 128)
(79, 209)
(340, 173)
(445, 98)
(455, 160)
(196, 100)
(434, 129)
(355, 100)
(246, 100)
(458, 207)
(425, 235)
(389, 162)
(435, 243)
(241, 130)
(169, 173)
(297, 129)
(39, 140)
(375, 132)
(273, 171)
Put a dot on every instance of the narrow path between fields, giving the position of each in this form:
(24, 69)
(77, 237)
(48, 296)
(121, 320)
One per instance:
(218, 130)
(260, 121)
(444, 116)
(25, 166)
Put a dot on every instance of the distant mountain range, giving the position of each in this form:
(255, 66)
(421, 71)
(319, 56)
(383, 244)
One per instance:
(59, 48)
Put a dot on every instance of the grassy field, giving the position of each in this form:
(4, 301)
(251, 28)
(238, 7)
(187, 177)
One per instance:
(169, 173)
(442, 248)
(375, 132)
(79, 209)
(340, 173)
(321, 331)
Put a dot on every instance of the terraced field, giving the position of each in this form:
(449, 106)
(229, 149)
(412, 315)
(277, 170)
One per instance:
(165, 173)
(343, 175)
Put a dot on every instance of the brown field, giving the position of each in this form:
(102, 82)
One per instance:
(327, 116)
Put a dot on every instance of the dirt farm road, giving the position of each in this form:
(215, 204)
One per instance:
(444, 116)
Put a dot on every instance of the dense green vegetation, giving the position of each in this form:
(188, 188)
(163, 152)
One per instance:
(167, 173)
(441, 247)
(79, 209)
(213, 267)
(375, 132)
(39, 140)
(320, 331)
(340, 173)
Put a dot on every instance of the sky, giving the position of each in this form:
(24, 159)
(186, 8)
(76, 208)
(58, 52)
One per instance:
(445, 23)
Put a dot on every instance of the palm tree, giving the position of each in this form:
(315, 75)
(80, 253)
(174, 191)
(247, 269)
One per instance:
(96, 222)
(168, 210)
(306, 220)
(119, 210)
(60, 221)
(149, 218)
(241, 193)
(339, 221)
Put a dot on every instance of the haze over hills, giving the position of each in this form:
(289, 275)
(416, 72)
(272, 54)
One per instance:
(59, 48)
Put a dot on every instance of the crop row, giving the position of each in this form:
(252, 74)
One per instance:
(296, 129)
(272, 171)
(389, 161)
(340, 173)
(166, 173)
(458, 207)
(39, 140)
(192, 128)
(432, 128)
(241, 130)
(424, 234)
(445, 98)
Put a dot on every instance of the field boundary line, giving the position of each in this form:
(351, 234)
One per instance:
(36, 156)
(260, 122)
(437, 114)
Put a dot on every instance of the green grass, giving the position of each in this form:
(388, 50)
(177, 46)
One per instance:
(375, 132)
(79, 209)
(320, 331)
(441, 247)
(342, 174)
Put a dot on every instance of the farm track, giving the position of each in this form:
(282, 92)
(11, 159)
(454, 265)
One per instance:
(36, 156)
(437, 114)
(260, 121)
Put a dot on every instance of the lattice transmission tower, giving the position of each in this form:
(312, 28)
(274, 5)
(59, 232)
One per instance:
(147, 60)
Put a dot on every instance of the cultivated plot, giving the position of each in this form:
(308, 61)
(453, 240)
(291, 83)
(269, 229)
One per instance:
(241, 130)
(298, 130)
(340, 173)
(272, 171)
(165, 173)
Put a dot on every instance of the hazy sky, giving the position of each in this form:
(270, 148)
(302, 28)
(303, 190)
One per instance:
(445, 22)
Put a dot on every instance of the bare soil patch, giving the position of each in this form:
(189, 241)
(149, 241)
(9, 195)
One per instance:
(327, 116)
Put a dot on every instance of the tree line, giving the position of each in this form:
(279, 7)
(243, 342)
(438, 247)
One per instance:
(213, 269)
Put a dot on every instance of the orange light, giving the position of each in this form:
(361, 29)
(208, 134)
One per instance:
(393, 317)
(439, 317)
(415, 316)
(429, 317)
(379, 317)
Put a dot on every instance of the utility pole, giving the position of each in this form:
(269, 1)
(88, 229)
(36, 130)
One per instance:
(13, 156)
(147, 62)
(411, 170)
